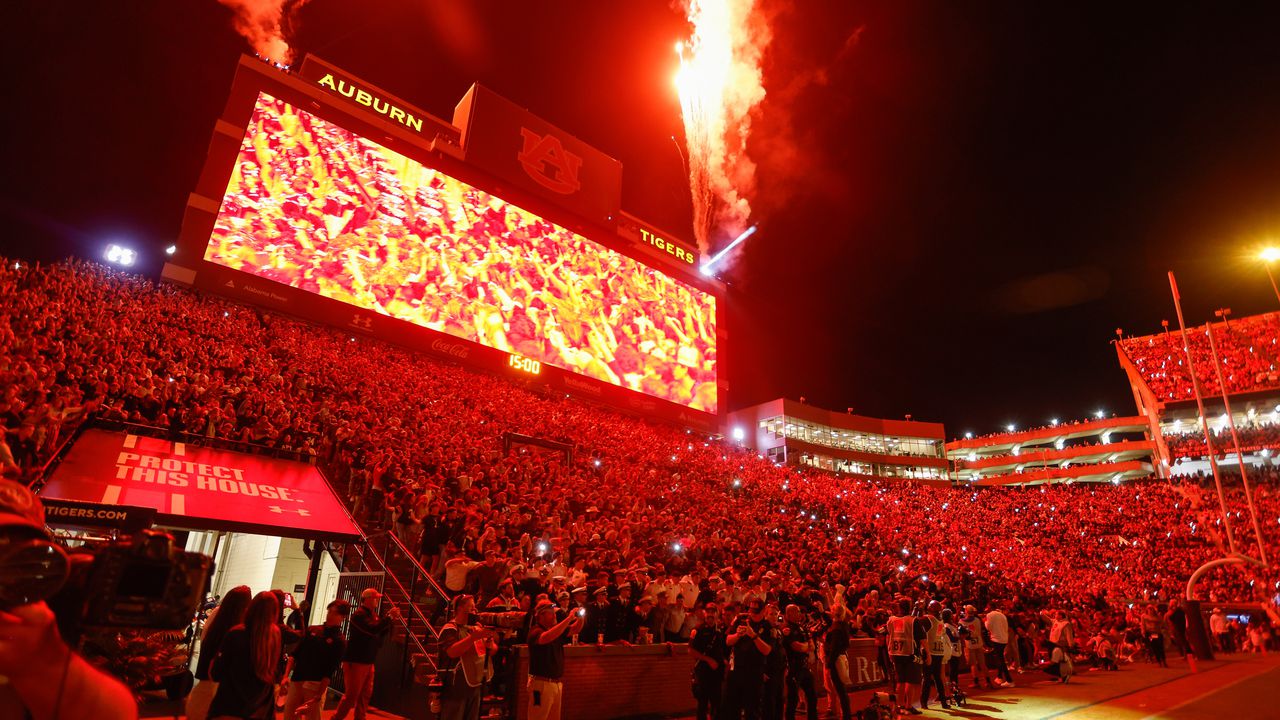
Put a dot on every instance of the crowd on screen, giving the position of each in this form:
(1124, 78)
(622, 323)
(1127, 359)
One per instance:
(1247, 347)
(317, 207)
(648, 523)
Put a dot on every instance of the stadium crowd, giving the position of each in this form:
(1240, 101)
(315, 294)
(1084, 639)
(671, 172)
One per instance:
(1247, 347)
(1253, 437)
(648, 521)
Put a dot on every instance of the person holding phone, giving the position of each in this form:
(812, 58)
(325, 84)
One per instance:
(546, 660)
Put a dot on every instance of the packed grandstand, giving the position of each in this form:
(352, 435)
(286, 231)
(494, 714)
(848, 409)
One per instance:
(417, 441)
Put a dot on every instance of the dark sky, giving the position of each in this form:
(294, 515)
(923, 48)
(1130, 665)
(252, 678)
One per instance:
(959, 202)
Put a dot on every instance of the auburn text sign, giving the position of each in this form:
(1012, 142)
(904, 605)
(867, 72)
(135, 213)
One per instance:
(374, 99)
(201, 488)
(508, 141)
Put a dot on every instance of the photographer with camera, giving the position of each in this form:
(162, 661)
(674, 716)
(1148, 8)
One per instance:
(465, 650)
(367, 633)
(938, 646)
(43, 678)
(907, 652)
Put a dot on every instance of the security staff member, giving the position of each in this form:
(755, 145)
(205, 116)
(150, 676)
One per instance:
(799, 646)
(707, 646)
(749, 642)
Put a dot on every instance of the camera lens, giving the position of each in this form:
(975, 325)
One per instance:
(30, 572)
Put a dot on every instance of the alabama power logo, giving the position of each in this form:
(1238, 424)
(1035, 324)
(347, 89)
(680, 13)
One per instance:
(548, 163)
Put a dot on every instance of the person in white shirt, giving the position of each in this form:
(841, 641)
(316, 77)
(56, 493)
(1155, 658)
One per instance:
(998, 629)
(1221, 629)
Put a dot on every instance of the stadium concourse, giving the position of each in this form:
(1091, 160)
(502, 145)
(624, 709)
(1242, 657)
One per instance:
(660, 519)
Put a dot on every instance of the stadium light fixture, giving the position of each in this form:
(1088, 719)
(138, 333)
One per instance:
(119, 255)
(171, 250)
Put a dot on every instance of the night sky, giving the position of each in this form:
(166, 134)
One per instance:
(959, 202)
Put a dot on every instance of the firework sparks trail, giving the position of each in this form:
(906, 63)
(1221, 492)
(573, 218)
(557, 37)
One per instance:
(720, 84)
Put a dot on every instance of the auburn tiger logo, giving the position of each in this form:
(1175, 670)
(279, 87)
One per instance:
(548, 163)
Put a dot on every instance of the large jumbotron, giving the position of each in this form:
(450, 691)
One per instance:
(498, 242)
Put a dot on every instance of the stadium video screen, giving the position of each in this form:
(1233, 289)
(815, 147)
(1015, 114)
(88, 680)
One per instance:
(317, 207)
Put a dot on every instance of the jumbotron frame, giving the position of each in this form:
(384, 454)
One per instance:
(434, 143)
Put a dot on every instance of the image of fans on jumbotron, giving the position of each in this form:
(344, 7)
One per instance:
(317, 207)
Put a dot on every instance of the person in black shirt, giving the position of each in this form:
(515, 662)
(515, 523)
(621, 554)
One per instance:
(707, 646)
(367, 633)
(799, 647)
(835, 645)
(596, 618)
(248, 663)
(620, 612)
(316, 658)
(229, 613)
(546, 659)
(750, 642)
(775, 669)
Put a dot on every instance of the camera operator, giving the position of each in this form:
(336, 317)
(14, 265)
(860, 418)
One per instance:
(367, 633)
(315, 659)
(464, 653)
(707, 646)
(906, 645)
(799, 645)
(936, 643)
(749, 645)
(43, 678)
(546, 660)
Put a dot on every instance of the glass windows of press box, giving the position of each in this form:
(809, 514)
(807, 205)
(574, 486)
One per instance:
(804, 431)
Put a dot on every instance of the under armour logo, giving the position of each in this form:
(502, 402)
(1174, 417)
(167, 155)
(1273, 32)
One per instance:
(362, 322)
(548, 163)
(302, 512)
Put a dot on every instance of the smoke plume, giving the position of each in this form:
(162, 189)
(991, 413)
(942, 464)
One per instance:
(263, 23)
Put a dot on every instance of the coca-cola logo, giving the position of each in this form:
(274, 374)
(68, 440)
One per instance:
(452, 349)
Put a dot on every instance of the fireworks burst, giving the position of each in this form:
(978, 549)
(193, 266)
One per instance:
(720, 84)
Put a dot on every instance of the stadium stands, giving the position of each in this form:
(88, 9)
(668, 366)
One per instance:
(1248, 348)
(413, 439)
